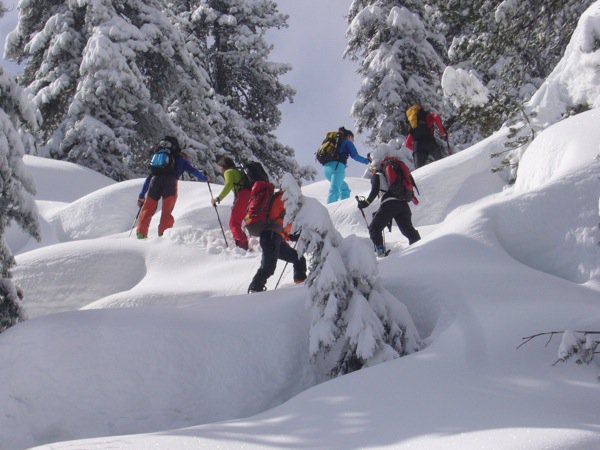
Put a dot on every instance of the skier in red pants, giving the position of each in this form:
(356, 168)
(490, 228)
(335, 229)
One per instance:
(167, 166)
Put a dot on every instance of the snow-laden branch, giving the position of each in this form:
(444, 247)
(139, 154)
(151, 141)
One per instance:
(463, 88)
(580, 345)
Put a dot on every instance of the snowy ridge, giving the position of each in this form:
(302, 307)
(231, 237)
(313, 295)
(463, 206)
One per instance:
(158, 335)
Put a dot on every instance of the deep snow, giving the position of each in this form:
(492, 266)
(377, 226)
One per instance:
(158, 337)
(131, 336)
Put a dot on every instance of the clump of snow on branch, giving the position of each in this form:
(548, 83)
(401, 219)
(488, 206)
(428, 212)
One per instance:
(505, 10)
(355, 321)
(394, 148)
(463, 88)
(578, 346)
(575, 80)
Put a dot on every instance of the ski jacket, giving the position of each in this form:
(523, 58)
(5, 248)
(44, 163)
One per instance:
(234, 180)
(348, 150)
(376, 188)
(432, 120)
(181, 165)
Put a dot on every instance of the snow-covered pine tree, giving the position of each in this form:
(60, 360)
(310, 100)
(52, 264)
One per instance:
(230, 38)
(512, 46)
(110, 78)
(16, 188)
(399, 60)
(356, 322)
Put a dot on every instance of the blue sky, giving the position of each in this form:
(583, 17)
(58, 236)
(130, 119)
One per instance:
(325, 84)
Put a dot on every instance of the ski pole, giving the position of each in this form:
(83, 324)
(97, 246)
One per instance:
(217, 212)
(284, 267)
(358, 199)
(135, 220)
(281, 275)
(450, 152)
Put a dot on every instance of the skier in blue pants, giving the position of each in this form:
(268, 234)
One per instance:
(335, 171)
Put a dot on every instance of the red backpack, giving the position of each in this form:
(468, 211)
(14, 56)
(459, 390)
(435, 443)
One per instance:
(265, 209)
(401, 184)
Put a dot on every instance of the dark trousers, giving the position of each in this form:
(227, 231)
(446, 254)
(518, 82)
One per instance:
(400, 212)
(273, 248)
(425, 149)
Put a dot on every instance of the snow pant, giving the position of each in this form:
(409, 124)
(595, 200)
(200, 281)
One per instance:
(424, 149)
(161, 186)
(397, 210)
(273, 248)
(238, 211)
(335, 173)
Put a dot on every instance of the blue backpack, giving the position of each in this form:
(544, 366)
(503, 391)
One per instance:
(163, 161)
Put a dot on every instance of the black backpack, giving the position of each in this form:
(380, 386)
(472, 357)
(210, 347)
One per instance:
(252, 171)
(420, 130)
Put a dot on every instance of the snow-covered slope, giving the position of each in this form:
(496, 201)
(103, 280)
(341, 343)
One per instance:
(131, 336)
(158, 338)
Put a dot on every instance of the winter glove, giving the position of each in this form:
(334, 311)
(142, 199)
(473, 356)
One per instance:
(140, 202)
(362, 204)
(294, 237)
(215, 201)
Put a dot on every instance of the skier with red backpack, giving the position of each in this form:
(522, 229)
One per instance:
(264, 218)
(392, 181)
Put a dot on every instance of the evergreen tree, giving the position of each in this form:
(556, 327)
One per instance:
(403, 46)
(229, 38)
(110, 78)
(16, 188)
(400, 62)
(512, 46)
(356, 322)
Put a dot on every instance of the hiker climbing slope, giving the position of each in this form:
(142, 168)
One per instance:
(166, 165)
(264, 218)
(391, 180)
(421, 134)
(234, 181)
(334, 167)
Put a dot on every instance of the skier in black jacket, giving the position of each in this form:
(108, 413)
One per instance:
(391, 207)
